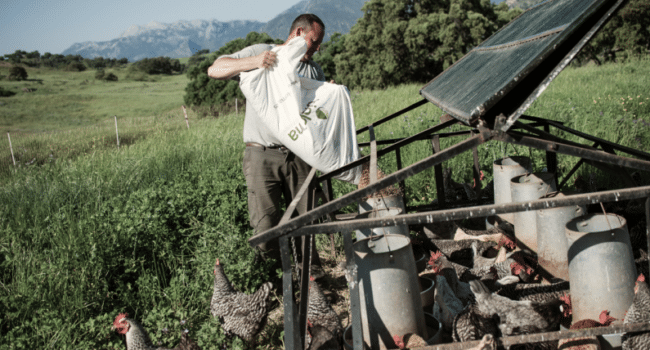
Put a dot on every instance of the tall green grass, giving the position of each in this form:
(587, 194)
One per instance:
(137, 229)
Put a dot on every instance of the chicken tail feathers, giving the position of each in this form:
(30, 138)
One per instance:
(478, 287)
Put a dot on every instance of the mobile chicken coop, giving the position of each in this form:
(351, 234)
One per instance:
(488, 91)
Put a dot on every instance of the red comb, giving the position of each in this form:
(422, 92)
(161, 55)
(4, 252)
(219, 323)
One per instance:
(605, 319)
(118, 319)
(516, 268)
(311, 278)
(641, 278)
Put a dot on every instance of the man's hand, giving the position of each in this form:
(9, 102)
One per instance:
(266, 59)
(226, 67)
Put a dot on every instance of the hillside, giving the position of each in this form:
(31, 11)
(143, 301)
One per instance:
(183, 38)
(338, 16)
(178, 39)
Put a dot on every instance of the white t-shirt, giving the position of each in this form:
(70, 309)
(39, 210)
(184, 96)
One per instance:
(254, 130)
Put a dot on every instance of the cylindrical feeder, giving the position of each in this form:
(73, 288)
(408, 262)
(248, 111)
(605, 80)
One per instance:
(526, 188)
(601, 266)
(385, 202)
(551, 237)
(389, 290)
(505, 169)
(400, 229)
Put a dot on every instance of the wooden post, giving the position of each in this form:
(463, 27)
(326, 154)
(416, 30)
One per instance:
(187, 121)
(116, 133)
(12, 150)
(236, 109)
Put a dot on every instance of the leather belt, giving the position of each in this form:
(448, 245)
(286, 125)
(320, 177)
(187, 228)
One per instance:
(278, 147)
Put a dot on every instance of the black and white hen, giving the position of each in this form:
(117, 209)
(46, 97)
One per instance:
(243, 315)
(638, 312)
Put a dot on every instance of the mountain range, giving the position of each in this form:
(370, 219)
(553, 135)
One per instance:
(183, 38)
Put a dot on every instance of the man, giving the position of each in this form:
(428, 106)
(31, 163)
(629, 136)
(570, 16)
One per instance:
(271, 170)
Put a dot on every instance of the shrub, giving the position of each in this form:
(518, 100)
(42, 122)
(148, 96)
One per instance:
(110, 77)
(76, 67)
(100, 74)
(17, 73)
(6, 93)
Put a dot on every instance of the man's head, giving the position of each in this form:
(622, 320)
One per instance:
(310, 27)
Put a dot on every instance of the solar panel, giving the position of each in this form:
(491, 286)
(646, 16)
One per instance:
(486, 75)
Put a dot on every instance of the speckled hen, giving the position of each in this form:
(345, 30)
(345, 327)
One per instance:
(243, 315)
(638, 312)
(138, 339)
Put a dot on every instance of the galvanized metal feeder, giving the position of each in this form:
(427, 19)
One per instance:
(488, 90)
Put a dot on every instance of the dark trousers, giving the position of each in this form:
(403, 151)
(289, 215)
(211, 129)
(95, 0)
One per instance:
(273, 176)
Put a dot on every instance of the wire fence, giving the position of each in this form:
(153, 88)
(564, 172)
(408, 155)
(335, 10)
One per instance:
(24, 149)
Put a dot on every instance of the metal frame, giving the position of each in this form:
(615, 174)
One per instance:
(520, 134)
(500, 123)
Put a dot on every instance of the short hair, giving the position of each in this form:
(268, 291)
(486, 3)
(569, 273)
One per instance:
(305, 21)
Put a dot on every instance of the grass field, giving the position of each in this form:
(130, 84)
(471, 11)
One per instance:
(101, 231)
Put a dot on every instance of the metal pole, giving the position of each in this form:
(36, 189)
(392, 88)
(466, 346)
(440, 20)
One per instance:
(186, 120)
(12, 150)
(116, 133)
(236, 109)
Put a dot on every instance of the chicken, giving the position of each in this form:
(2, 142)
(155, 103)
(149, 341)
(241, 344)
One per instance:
(447, 305)
(450, 271)
(514, 265)
(138, 339)
(481, 261)
(471, 324)
(460, 249)
(536, 292)
(496, 235)
(409, 341)
(322, 339)
(586, 343)
(320, 312)
(639, 311)
(518, 317)
(240, 314)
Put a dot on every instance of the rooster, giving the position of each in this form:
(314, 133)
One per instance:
(138, 339)
(638, 312)
(320, 313)
(243, 315)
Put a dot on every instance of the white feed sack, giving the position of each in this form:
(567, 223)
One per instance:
(312, 118)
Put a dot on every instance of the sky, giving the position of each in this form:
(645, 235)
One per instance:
(54, 25)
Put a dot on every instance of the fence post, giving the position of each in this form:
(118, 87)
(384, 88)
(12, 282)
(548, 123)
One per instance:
(116, 133)
(236, 108)
(186, 120)
(12, 150)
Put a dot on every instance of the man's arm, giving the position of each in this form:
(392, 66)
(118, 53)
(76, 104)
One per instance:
(226, 67)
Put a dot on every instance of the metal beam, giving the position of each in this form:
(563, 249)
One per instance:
(563, 148)
(357, 195)
(477, 211)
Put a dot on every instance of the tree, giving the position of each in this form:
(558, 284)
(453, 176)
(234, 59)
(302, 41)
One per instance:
(76, 66)
(328, 51)
(399, 41)
(17, 73)
(159, 65)
(201, 90)
(626, 34)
